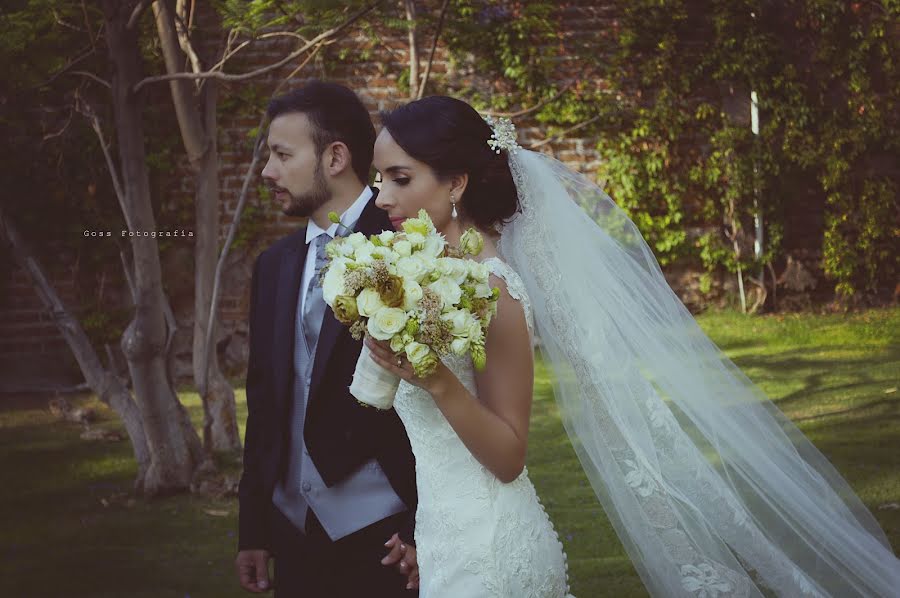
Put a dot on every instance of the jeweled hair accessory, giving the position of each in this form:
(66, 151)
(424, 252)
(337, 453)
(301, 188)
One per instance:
(504, 135)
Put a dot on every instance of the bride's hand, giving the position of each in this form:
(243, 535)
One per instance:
(383, 355)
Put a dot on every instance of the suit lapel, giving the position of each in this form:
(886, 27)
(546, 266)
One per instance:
(372, 221)
(289, 276)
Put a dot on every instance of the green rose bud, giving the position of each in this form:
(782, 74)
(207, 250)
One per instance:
(412, 326)
(426, 366)
(479, 357)
(421, 225)
(398, 345)
(471, 242)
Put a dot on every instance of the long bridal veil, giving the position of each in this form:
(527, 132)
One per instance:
(711, 489)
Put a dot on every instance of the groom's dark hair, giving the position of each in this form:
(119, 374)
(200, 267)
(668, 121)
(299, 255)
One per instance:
(335, 114)
(451, 137)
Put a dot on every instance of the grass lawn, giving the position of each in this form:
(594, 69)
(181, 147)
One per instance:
(70, 531)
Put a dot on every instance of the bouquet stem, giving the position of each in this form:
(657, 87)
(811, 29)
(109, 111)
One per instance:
(372, 384)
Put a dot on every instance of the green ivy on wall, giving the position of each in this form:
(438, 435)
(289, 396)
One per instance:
(826, 76)
(672, 118)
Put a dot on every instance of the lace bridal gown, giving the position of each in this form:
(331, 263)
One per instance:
(476, 536)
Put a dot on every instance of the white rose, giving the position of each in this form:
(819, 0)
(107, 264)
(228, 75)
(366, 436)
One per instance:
(412, 267)
(416, 239)
(412, 294)
(368, 302)
(479, 271)
(483, 290)
(387, 322)
(459, 346)
(398, 343)
(434, 245)
(346, 249)
(416, 352)
(385, 253)
(403, 248)
(333, 284)
(386, 237)
(453, 267)
(363, 254)
(333, 248)
(356, 240)
(447, 289)
(460, 321)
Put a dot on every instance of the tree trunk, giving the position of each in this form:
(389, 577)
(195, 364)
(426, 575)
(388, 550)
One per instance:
(412, 38)
(198, 133)
(220, 430)
(106, 384)
(175, 449)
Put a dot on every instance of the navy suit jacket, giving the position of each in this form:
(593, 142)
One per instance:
(340, 433)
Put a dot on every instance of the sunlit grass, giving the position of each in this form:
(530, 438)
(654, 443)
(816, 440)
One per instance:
(831, 374)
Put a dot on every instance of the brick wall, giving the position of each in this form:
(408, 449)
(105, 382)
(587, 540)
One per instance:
(27, 335)
(33, 354)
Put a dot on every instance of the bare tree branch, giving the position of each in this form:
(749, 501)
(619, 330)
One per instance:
(61, 130)
(437, 35)
(535, 108)
(87, 22)
(65, 23)
(137, 12)
(92, 76)
(410, 6)
(563, 133)
(229, 53)
(258, 145)
(87, 54)
(84, 108)
(184, 35)
(324, 36)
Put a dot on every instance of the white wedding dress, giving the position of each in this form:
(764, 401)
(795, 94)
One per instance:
(476, 536)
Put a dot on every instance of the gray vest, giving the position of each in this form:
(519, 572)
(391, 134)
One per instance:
(361, 499)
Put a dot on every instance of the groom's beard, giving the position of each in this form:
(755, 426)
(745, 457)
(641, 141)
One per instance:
(305, 204)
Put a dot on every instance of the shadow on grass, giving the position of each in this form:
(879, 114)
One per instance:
(58, 538)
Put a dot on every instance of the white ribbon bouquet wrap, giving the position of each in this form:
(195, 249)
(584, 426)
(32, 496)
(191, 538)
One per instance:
(411, 289)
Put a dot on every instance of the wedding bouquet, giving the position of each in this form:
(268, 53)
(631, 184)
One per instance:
(409, 288)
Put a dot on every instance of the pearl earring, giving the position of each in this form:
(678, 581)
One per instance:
(453, 214)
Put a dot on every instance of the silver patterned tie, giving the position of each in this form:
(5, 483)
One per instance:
(314, 305)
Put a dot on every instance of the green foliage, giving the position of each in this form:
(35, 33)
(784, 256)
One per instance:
(515, 40)
(304, 17)
(827, 79)
(103, 324)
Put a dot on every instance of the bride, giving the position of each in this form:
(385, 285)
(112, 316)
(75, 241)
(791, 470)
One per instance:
(711, 489)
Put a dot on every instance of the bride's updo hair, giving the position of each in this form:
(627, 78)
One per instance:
(451, 137)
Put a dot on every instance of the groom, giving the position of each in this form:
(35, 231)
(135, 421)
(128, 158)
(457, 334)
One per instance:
(328, 487)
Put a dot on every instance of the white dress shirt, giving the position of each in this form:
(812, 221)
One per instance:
(313, 230)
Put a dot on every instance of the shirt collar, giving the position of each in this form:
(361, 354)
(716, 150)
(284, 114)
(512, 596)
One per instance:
(348, 218)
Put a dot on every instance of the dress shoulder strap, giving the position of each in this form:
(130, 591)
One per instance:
(514, 285)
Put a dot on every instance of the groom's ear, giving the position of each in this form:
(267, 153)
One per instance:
(337, 158)
(458, 184)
